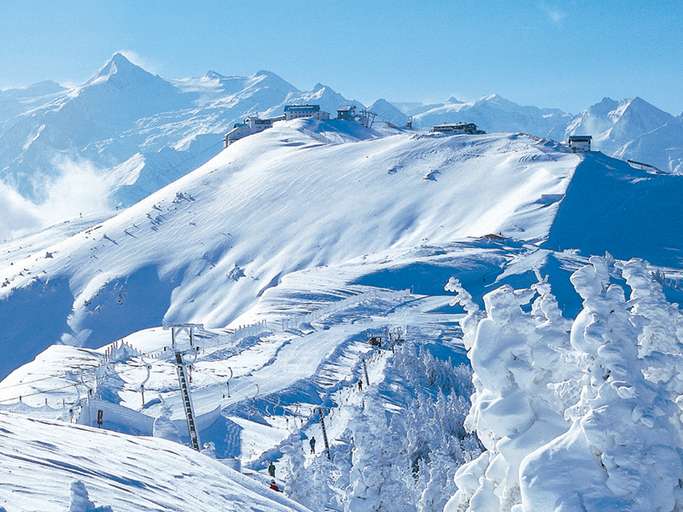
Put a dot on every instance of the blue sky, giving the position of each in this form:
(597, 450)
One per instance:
(558, 54)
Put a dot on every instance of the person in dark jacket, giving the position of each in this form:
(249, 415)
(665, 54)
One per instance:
(271, 469)
(312, 443)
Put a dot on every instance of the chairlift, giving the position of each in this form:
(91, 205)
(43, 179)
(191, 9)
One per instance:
(227, 383)
(148, 368)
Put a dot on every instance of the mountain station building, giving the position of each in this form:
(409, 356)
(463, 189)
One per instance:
(305, 111)
(580, 143)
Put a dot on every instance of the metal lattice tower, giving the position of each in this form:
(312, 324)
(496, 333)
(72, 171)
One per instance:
(183, 380)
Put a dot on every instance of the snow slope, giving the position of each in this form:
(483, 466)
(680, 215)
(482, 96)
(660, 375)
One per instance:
(307, 194)
(205, 247)
(319, 235)
(40, 459)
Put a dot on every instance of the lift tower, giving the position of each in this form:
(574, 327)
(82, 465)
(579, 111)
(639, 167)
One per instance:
(183, 381)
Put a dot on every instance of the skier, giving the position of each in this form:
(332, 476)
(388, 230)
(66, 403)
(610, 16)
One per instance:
(271, 469)
(274, 486)
(312, 443)
(360, 384)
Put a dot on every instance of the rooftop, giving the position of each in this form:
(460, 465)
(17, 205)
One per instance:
(289, 108)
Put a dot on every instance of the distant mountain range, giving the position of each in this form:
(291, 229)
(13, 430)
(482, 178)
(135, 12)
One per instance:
(145, 131)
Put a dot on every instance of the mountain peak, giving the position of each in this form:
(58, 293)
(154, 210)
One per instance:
(493, 97)
(118, 66)
(603, 107)
(119, 62)
(638, 102)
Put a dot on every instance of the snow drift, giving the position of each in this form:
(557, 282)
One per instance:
(113, 470)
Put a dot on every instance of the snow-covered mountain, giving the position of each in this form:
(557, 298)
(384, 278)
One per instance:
(387, 112)
(293, 247)
(626, 129)
(16, 101)
(633, 129)
(494, 113)
(141, 130)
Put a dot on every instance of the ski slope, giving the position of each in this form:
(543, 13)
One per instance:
(297, 196)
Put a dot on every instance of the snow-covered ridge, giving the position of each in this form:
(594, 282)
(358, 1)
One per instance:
(277, 202)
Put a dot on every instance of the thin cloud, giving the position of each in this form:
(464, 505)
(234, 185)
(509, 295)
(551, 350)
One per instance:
(553, 13)
(80, 188)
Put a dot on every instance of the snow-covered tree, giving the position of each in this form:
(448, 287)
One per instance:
(473, 315)
(309, 485)
(661, 326)
(80, 500)
(375, 480)
(514, 411)
(404, 456)
(623, 449)
(164, 427)
(580, 421)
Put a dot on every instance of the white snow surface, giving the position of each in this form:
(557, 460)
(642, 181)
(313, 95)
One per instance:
(318, 235)
(290, 198)
(582, 415)
(41, 459)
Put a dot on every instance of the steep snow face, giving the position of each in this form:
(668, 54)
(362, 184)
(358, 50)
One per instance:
(610, 206)
(277, 202)
(496, 114)
(41, 460)
(633, 129)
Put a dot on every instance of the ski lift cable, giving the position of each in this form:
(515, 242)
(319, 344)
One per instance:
(90, 370)
(65, 386)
